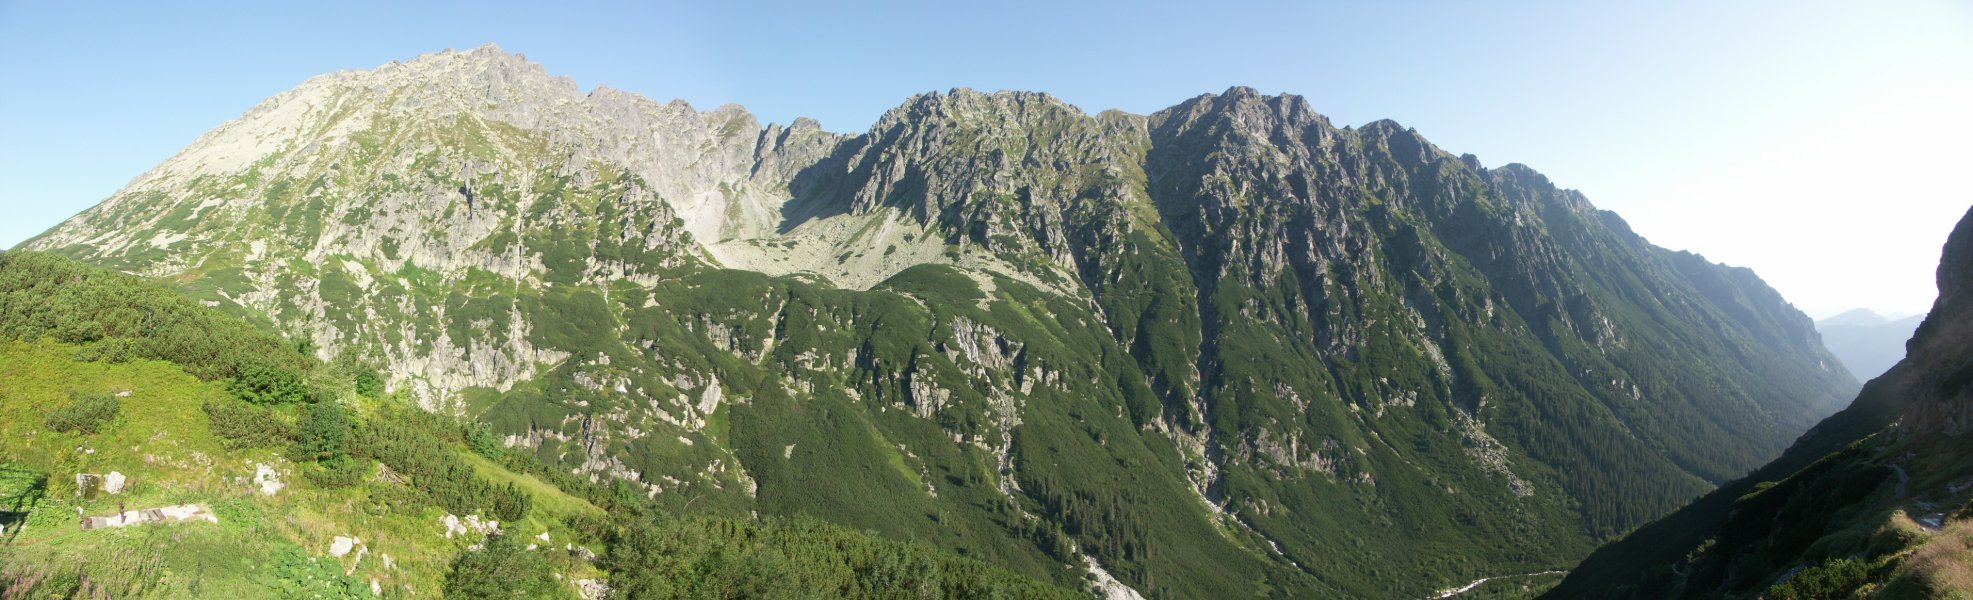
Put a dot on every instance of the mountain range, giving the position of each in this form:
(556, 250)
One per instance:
(1226, 349)
(1866, 342)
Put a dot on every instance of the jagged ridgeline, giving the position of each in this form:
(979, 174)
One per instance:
(1226, 349)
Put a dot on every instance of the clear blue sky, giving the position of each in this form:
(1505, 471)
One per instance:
(1824, 144)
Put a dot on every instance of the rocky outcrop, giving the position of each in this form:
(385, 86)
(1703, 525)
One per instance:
(91, 484)
(266, 480)
(1937, 372)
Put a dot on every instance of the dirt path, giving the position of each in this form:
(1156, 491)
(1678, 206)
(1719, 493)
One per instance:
(1931, 523)
(1904, 480)
(1477, 582)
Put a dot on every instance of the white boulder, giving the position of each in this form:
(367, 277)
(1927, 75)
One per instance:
(267, 479)
(341, 546)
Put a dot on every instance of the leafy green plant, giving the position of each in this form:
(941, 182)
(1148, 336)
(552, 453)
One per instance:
(86, 413)
(292, 573)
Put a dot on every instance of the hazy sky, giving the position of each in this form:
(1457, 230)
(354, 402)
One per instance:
(1823, 144)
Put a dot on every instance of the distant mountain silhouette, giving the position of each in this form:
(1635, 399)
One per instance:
(1866, 342)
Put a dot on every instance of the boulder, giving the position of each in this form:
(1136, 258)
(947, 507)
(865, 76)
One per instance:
(267, 479)
(341, 546)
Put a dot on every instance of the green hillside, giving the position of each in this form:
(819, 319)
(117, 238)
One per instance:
(102, 373)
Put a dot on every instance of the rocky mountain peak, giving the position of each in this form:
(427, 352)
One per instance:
(1292, 106)
(489, 56)
(423, 164)
(975, 144)
(1955, 272)
(1243, 98)
(492, 48)
(966, 107)
(1245, 110)
(487, 72)
(1402, 144)
(805, 124)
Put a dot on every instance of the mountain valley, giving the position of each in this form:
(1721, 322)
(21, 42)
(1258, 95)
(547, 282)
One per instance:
(1225, 349)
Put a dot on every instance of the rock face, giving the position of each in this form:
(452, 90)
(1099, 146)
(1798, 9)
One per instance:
(1223, 349)
(1939, 367)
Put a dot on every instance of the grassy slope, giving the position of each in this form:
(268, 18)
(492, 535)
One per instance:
(275, 546)
(161, 442)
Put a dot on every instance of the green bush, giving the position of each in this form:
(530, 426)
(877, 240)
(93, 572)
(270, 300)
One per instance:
(119, 317)
(390, 498)
(484, 442)
(266, 385)
(798, 558)
(501, 568)
(113, 350)
(241, 425)
(324, 432)
(324, 437)
(437, 470)
(369, 384)
(1831, 579)
(86, 413)
(20, 489)
(337, 472)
